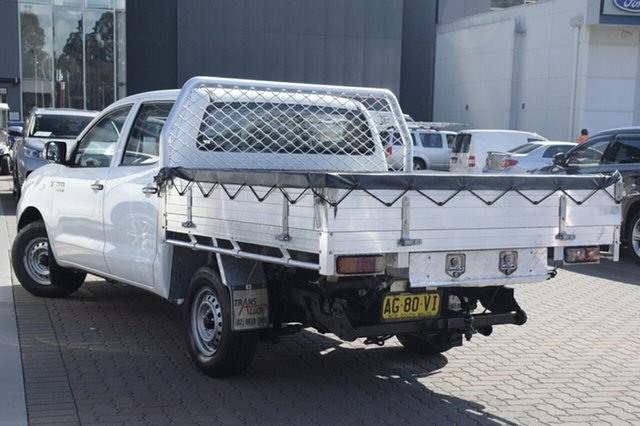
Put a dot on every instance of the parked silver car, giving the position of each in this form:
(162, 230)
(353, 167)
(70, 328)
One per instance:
(42, 126)
(430, 148)
(525, 158)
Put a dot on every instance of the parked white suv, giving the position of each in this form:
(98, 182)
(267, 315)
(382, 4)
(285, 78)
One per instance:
(430, 148)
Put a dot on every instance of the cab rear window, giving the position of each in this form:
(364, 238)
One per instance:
(462, 143)
(284, 128)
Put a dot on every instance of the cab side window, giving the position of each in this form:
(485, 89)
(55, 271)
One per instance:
(144, 141)
(450, 140)
(588, 153)
(554, 149)
(431, 140)
(97, 147)
(624, 149)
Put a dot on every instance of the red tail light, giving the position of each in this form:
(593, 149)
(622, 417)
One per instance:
(472, 161)
(582, 254)
(360, 264)
(509, 163)
(389, 150)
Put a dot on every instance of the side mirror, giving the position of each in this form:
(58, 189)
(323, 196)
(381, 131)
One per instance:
(559, 159)
(55, 152)
(15, 131)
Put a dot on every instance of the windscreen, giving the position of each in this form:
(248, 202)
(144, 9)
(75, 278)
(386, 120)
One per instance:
(461, 144)
(524, 149)
(59, 126)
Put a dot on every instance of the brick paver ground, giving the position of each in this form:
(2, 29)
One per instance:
(114, 354)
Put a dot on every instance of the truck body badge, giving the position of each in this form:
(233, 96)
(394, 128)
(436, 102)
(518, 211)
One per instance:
(57, 186)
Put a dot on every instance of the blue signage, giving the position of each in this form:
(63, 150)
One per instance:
(632, 6)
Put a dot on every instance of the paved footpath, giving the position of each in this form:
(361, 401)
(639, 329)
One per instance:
(12, 399)
(114, 354)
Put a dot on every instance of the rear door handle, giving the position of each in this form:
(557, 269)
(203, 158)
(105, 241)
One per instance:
(97, 187)
(149, 190)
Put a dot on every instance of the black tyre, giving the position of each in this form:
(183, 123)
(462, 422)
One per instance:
(36, 268)
(5, 165)
(214, 347)
(419, 164)
(424, 344)
(633, 237)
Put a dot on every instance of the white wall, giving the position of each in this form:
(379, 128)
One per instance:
(610, 92)
(474, 73)
(553, 67)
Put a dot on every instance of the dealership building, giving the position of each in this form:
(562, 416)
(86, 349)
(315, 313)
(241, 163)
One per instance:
(551, 66)
(86, 53)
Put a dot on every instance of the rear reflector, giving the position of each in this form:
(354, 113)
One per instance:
(582, 254)
(472, 161)
(360, 264)
(509, 163)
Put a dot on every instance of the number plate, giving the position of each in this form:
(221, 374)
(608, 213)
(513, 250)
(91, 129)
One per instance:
(399, 306)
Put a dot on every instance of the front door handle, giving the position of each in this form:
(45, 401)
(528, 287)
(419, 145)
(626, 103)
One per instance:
(149, 190)
(97, 187)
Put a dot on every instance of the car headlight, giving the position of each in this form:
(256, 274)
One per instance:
(32, 153)
(2, 150)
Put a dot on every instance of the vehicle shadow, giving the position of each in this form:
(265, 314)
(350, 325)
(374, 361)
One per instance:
(123, 353)
(625, 271)
(390, 384)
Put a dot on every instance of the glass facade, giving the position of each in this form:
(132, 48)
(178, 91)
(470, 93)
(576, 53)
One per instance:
(72, 53)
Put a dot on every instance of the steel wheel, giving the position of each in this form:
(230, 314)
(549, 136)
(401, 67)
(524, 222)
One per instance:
(214, 347)
(206, 322)
(36, 260)
(36, 267)
(633, 237)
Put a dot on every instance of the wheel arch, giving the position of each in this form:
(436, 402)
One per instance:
(629, 211)
(29, 215)
(422, 158)
(184, 263)
(232, 271)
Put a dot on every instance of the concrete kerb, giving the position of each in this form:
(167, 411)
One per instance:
(12, 394)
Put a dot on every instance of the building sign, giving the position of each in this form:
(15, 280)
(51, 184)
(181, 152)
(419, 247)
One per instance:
(632, 6)
(621, 7)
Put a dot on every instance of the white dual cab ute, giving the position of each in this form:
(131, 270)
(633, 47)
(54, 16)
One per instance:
(267, 207)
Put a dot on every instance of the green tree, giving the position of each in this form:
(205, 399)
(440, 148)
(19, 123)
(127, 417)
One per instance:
(36, 62)
(99, 49)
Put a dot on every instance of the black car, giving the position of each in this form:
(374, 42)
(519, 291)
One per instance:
(607, 152)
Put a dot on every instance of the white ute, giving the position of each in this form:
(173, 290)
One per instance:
(267, 207)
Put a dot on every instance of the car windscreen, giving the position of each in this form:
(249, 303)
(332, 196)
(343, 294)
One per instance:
(59, 126)
(461, 144)
(524, 149)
